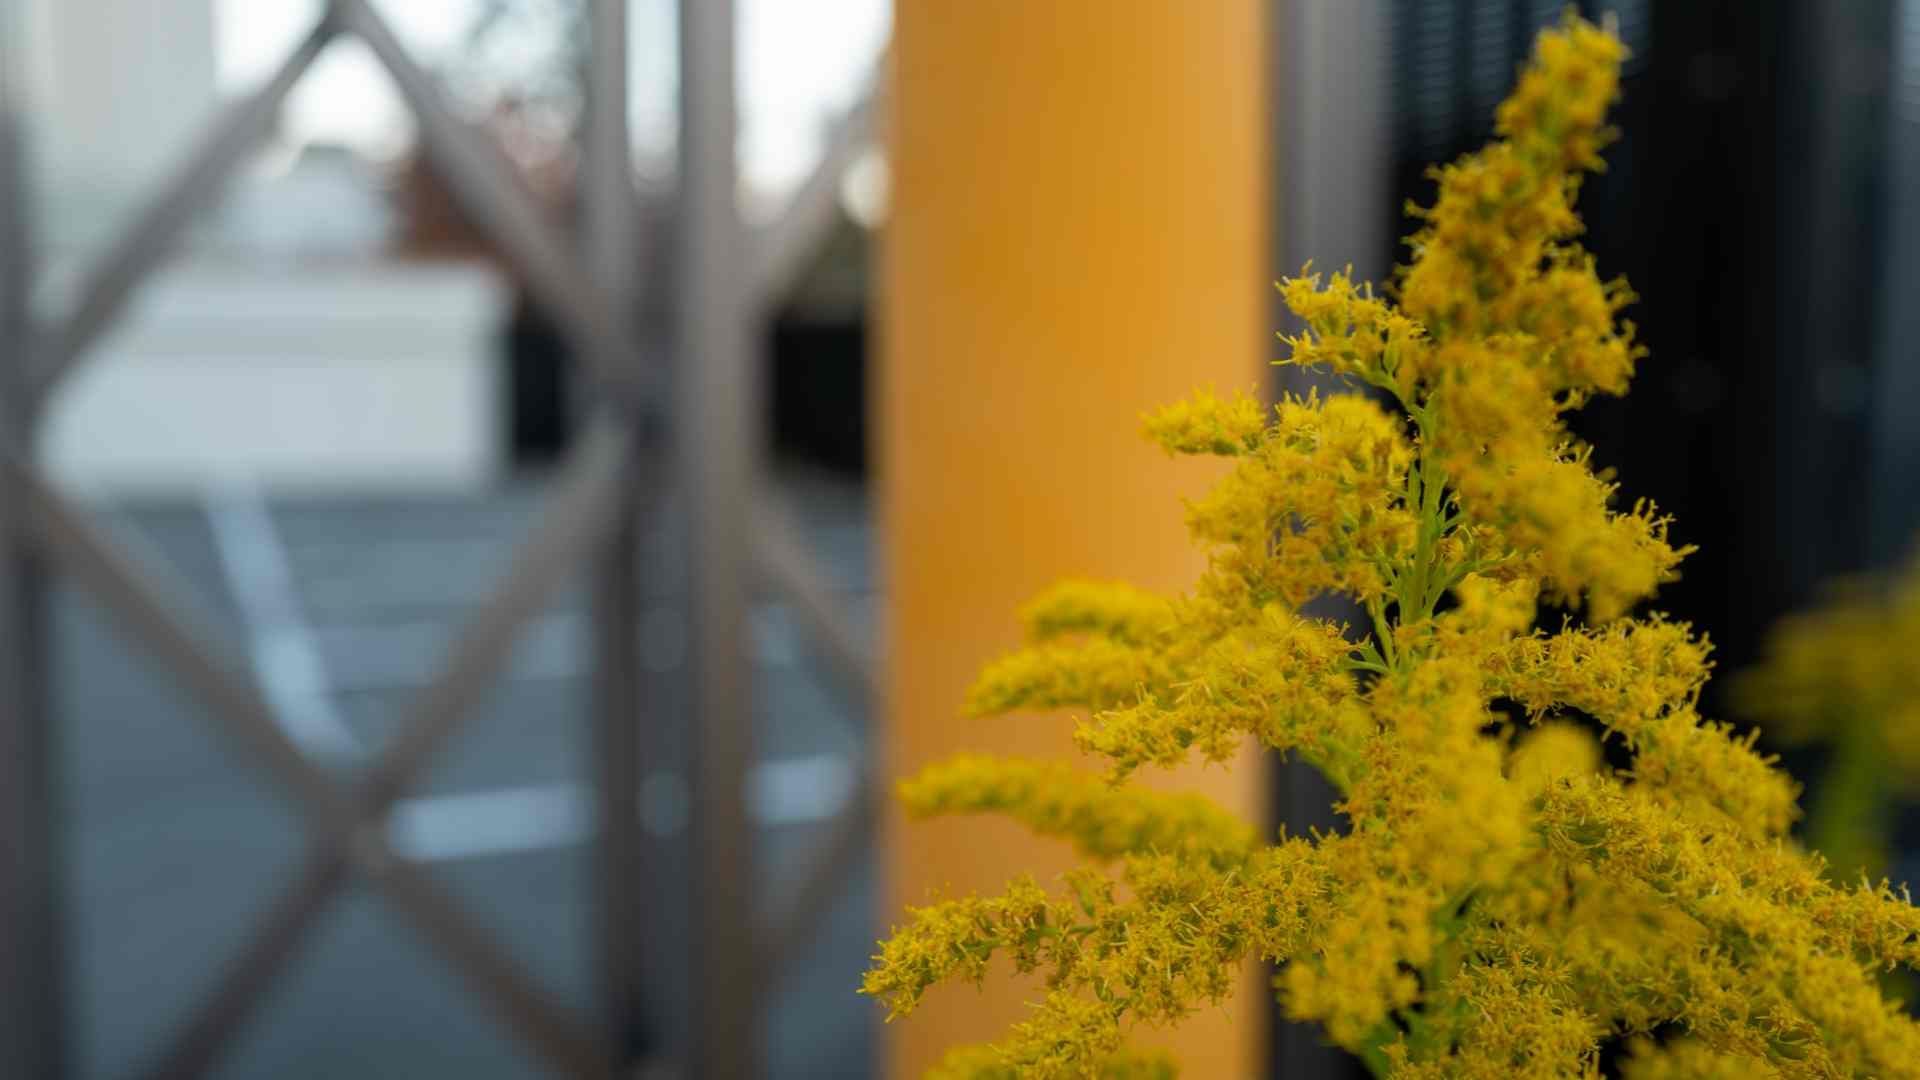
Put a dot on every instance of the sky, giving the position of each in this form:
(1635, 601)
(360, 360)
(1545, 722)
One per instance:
(801, 62)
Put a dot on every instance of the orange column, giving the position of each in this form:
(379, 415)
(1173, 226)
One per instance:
(1078, 232)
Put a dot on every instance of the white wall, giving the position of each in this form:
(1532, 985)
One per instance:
(118, 90)
(310, 376)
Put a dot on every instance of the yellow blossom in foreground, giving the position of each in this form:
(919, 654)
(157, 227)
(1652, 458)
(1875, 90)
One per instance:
(1499, 902)
(1102, 820)
(989, 1063)
(1686, 1059)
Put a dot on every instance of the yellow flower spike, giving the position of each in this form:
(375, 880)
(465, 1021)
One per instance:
(1205, 424)
(1522, 1018)
(1114, 610)
(1094, 674)
(1284, 680)
(1555, 751)
(1175, 948)
(956, 938)
(991, 1063)
(1350, 331)
(1690, 1059)
(1102, 821)
(1498, 903)
(1313, 509)
(1802, 947)
(1702, 768)
(1624, 674)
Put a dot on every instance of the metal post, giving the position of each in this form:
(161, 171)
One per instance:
(482, 181)
(32, 1015)
(714, 438)
(783, 250)
(610, 227)
(1331, 149)
(616, 778)
(32, 1024)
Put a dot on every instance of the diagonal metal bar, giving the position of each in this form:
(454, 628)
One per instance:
(781, 249)
(440, 919)
(197, 1047)
(782, 553)
(156, 614)
(832, 861)
(121, 270)
(574, 522)
(488, 188)
(784, 558)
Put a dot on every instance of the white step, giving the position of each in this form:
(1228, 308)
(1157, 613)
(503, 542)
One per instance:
(357, 374)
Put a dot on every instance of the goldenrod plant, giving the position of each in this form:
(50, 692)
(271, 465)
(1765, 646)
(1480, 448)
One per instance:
(1499, 902)
(1846, 675)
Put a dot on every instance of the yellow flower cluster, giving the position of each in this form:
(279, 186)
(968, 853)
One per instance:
(1205, 424)
(1499, 902)
(1103, 820)
(1313, 507)
(1502, 325)
(1171, 947)
(984, 1063)
(1845, 675)
(1687, 1059)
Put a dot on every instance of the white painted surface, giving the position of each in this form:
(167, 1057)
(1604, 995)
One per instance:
(304, 376)
(790, 791)
(117, 90)
(286, 658)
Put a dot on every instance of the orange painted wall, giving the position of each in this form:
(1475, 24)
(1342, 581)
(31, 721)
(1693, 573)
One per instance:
(1078, 232)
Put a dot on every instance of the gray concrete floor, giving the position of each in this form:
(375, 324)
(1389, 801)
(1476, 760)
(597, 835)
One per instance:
(174, 843)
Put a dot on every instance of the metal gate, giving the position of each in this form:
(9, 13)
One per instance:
(724, 281)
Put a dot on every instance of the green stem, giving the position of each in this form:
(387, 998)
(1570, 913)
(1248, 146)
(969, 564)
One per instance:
(1420, 584)
(1374, 1055)
(1383, 633)
(1847, 821)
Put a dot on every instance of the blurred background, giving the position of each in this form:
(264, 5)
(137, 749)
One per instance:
(304, 358)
